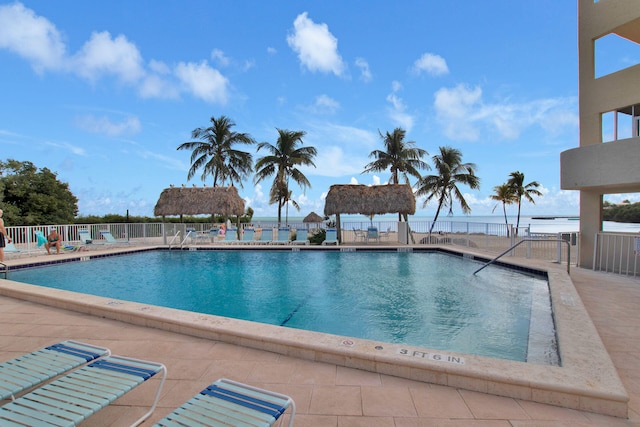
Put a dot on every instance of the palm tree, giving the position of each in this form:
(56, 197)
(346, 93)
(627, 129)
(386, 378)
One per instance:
(400, 156)
(214, 153)
(282, 160)
(443, 187)
(520, 190)
(503, 194)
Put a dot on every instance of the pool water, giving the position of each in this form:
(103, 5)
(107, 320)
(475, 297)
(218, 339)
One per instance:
(430, 300)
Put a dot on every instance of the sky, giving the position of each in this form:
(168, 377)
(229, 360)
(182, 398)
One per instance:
(103, 93)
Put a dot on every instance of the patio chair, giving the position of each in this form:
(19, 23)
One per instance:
(231, 236)
(29, 370)
(331, 237)
(106, 234)
(72, 398)
(372, 234)
(359, 235)
(301, 237)
(85, 236)
(266, 236)
(213, 234)
(227, 402)
(247, 236)
(385, 234)
(283, 236)
(191, 233)
(10, 247)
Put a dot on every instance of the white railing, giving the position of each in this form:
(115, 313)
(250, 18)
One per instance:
(490, 237)
(617, 253)
(24, 237)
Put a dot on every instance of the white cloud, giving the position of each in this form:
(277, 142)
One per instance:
(38, 41)
(324, 104)
(32, 37)
(155, 86)
(464, 105)
(170, 162)
(219, 56)
(316, 47)
(74, 149)
(431, 64)
(397, 112)
(103, 125)
(332, 161)
(272, 50)
(203, 81)
(159, 67)
(103, 55)
(353, 181)
(365, 73)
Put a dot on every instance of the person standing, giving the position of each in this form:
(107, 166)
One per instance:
(4, 239)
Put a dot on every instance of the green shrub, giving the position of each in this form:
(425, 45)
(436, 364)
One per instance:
(318, 237)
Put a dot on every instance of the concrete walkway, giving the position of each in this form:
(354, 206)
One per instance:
(325, 394)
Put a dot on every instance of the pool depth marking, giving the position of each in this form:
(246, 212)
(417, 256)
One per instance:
(436, 357)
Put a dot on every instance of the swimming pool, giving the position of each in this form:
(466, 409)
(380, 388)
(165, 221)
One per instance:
(423, 299)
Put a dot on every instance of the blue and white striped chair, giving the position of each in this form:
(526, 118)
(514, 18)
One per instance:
(227, 402)
(31, 369)
(73, 398)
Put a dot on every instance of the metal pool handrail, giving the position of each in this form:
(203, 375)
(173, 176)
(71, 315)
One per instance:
(532, 240)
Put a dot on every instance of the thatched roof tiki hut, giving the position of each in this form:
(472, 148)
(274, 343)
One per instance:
(369, 200)
(199, 200)
(313, 218)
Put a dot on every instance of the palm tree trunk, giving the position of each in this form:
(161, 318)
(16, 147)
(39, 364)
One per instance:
(518, 221)
(506, 221)
(437, 213)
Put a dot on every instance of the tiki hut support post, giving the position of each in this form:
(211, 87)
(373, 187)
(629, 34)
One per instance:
(369, 200)
(338, 228)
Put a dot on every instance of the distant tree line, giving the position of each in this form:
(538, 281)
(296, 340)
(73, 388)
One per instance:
(625, 212)
(35, 196)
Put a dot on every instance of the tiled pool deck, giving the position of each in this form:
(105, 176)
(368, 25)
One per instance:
(326, 393)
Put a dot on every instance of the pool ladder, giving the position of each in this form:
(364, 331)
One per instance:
(531, 240)
(4, 269)
(174, 238)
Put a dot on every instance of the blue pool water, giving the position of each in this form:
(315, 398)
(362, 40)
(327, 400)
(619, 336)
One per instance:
(428, 300)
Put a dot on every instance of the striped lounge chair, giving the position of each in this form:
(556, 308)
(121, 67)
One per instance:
(230, 403)
(72, 398)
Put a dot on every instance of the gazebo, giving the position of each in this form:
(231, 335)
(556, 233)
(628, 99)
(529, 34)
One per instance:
(199, 200)
(313, 218)
(369, 200)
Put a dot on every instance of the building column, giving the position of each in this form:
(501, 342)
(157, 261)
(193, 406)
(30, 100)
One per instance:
(590, 224)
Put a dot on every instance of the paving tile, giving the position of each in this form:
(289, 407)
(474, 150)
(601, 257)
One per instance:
(338, 400)
(387, 402)
(486, 406)
(350, 376)
(439, 402)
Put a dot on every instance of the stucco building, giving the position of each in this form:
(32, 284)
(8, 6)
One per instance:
(608, 158)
